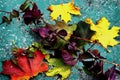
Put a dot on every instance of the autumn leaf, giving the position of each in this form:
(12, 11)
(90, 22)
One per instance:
(36, 64)
(56, 35)
(68, 30)
(32, 15)
(84, 32)
(69, 58)
(22, 67)
(59, 68)
(61, 25)
(111, 73)
(103, 34)
(63, 10)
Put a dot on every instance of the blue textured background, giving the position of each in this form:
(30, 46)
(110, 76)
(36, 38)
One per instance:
(19, 33)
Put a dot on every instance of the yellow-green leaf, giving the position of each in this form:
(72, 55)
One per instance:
(59, 67)
(61, 25)
(63, 10)
(103, 34)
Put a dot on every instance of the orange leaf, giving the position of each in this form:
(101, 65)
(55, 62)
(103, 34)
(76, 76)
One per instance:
(23, 63)
(24, 67)
(9, 68)
(36, 63)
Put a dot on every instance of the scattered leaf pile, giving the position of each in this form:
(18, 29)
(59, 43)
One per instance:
(61, 46)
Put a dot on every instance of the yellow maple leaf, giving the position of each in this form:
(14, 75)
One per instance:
(63, 10)
(103, 34)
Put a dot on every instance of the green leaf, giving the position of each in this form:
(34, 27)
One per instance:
(87, 71)
(14, 14)
(60, 44)
(59, 68)
(60, 24)
(83, 31)
(25, 5)
(61, 41)
(37, 45)
(70, 29)
(5, 20)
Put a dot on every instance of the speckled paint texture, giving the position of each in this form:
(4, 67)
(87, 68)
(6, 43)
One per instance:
(20, 34)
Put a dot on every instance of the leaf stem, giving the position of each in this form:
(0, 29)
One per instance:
(68, 42)
(81, 38)
(1, 23)
(72, 1)
(43, 20)
(100, 45)
(109, 62)
(5, 11)
(91, 46)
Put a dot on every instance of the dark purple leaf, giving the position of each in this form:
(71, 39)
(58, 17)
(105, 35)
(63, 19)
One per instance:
(111, 73)
(28, 17)
(97, 68)
(48, 37)
(72, 46)
(88, 64)
(44, 32)
(68, 58)
(62, 32)
(28, 14)
(32, 15)
(85, 55)
(91, 54)
(36, 11)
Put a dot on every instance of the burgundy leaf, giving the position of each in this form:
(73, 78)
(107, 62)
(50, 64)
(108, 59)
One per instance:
(36, 11)
(48, 37)
(111, 73)
(97, 68)
(44, 32)
(91, 54)
(72, 46)
(68, 58)
(32, 15)
(28, 17)
(62, 32)
(88, 64)
(85, 55)
(96, 53)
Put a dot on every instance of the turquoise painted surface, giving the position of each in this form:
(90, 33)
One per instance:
(19, 33)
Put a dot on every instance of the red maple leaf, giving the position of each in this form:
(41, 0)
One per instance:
(24, 67)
